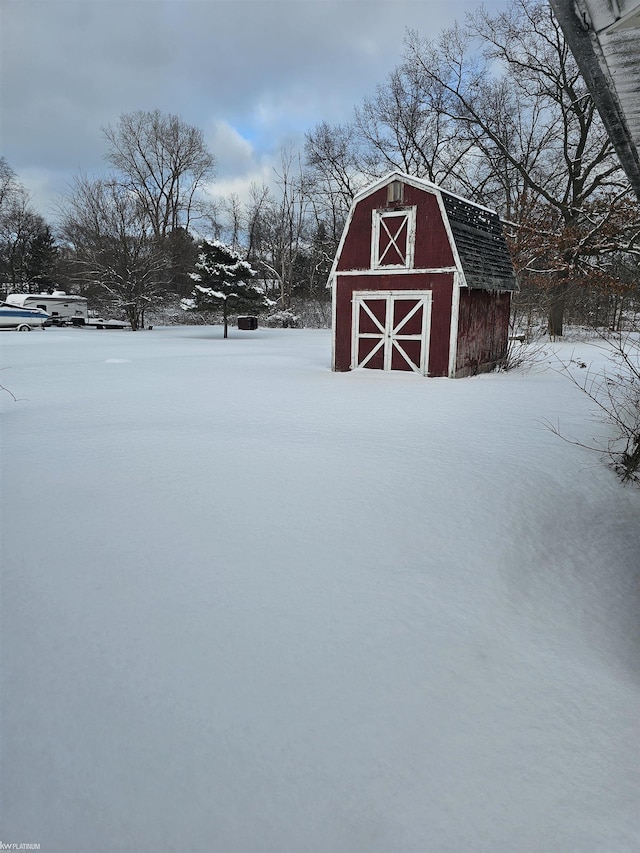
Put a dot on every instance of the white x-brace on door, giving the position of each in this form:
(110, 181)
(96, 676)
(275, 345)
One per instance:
(391, 329)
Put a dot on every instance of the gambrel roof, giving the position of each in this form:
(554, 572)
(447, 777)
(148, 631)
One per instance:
(475, 233)
(479, 239)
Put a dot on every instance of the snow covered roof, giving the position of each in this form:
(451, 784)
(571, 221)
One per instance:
(479, 239)
(56, 296)
(604, 37)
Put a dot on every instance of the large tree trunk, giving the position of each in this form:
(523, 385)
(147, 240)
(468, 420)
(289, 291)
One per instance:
(132, 317)
(556, 309)
(226, 324)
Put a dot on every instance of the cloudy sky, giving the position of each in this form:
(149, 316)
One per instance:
(253, 75)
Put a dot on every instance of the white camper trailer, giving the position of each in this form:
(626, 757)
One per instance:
(61, 307)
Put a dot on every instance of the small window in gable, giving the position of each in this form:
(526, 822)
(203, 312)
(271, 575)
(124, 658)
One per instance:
(395, 192)
(393, 238)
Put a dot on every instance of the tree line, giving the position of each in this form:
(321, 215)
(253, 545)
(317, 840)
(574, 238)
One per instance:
(493, 109)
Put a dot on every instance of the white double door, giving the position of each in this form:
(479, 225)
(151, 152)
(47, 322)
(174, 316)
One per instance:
(391, 329)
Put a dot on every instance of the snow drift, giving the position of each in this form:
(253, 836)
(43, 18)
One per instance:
(249, 605)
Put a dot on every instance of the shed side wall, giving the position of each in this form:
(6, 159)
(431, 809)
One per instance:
(483, 331)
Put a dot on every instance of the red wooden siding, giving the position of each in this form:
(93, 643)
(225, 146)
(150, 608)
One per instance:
(441, 284)
(432, 251)
(483, 330)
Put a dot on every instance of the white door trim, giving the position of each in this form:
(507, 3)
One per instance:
(390, 338)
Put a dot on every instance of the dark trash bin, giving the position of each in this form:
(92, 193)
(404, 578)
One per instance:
(248, 323)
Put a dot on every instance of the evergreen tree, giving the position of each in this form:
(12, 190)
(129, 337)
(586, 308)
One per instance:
(40, 260)
(182, 250)
(224, 281)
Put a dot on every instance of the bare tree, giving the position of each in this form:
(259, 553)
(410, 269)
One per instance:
(615, 391)
(512, 86)
(233, 209)
(8, 183)
(259, 198)
(399, 128)
(335, 169)
(165, 162)
(335, 174)
(113, 246)
(23, 236)
(283, 227)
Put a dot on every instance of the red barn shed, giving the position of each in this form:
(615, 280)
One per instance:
(421, 281)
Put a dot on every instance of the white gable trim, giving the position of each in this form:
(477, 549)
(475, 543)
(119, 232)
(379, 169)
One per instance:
(420, 184)
(454, 249)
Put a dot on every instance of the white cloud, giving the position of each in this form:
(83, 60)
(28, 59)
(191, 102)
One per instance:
(251, 74)
(240, 185)
(232, 151)
(239, 163)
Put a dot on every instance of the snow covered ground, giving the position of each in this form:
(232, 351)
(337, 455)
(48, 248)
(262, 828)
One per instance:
(251, 606)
